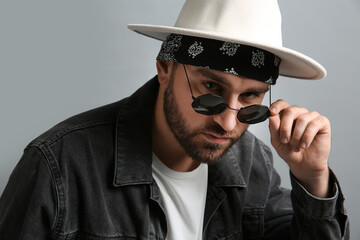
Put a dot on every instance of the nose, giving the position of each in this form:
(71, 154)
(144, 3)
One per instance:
(227, 119)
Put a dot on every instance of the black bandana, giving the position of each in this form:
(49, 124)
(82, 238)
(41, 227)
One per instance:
(228, 57)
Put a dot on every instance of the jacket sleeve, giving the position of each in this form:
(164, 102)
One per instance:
(297, 214)
(322, 218)
(28, 203)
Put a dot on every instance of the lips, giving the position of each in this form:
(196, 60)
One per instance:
(215, 138)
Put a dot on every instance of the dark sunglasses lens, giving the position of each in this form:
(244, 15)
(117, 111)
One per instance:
(209, 104)
(253, 114)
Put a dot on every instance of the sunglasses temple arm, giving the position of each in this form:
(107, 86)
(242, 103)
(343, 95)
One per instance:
(187, 77)
(269, 95)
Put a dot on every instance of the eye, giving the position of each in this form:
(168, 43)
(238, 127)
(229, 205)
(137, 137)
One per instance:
(249, 94)
(212, 86)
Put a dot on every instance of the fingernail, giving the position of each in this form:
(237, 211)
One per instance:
(303, 145)
(284, 140)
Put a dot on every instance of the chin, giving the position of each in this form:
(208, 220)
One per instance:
(210, 152)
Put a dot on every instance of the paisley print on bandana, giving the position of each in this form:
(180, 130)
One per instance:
(195, 49)
(229, 48)
(234, 58)
(258, 58)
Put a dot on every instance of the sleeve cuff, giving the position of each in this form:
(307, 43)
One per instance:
(314, 206)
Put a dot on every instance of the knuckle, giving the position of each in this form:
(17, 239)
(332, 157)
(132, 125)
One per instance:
(298, 110)
(325, 120)
(304, 110)
(321, 120)
(302, 119)
(291, 110)
(315, 113)
(284, 130)
(308, 135)
(314, 124)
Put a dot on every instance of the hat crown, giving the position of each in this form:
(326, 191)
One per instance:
(250, 20)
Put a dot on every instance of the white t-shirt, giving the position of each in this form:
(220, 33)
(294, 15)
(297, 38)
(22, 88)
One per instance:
(184, 196)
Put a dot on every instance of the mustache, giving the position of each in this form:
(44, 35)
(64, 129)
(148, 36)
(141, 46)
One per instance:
(218, 130)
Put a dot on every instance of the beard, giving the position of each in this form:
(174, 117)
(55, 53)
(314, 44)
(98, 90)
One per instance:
(190, 139)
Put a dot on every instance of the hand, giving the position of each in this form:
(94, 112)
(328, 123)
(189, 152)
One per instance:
(302, 139)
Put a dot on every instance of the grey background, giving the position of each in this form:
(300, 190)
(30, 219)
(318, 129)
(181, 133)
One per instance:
(59, 58)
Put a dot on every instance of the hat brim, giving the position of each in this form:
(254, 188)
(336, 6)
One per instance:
(293, 64)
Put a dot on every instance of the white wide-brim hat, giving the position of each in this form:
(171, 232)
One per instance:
(254, 23)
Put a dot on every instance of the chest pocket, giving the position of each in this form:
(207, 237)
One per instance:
(253, 223)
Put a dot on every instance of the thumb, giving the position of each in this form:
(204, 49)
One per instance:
(274, 126)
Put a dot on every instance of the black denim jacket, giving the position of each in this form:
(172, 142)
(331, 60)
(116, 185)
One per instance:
(90, 177)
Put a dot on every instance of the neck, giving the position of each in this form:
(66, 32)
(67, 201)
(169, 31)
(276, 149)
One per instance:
(165, 145)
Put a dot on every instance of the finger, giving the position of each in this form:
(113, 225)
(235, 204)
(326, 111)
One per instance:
(319, 125)
(278, 106)
(274, 120)
(301, 124)
(288, 117)
(274, 126)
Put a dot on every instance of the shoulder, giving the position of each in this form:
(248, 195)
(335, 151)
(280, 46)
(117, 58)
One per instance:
(99, 117)
(92, 119)
(83, 141)
(90, 137)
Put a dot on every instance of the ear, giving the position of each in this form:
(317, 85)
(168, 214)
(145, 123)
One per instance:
(164, 69)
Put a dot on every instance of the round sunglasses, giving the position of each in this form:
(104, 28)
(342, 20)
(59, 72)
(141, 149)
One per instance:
(211, 104)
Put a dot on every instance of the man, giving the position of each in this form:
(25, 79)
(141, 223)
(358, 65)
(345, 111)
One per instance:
(175, 159)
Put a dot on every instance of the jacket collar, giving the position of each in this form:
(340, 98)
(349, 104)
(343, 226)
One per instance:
(133, 151)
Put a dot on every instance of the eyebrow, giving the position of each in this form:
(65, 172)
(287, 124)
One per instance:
(213, 76)
(258, 89)
(222, 80)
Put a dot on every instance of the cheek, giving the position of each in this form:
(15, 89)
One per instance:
(192, 118)
(241, 128)
(184, 100)
(267, 100)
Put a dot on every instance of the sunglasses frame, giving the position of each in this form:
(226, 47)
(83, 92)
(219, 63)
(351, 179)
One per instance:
(262, 118)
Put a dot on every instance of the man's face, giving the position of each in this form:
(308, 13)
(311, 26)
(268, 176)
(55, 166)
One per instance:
(207, 138)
